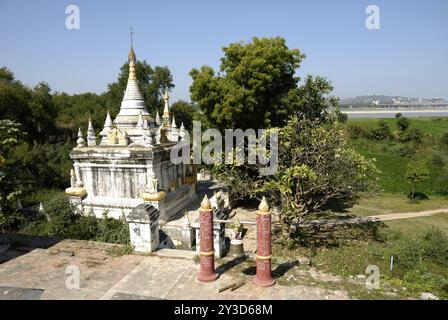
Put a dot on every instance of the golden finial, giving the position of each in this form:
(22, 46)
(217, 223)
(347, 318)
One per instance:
(131, 54)
(205, 204)
(263, 207)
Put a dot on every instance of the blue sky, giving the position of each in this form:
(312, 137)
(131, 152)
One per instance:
(407, 56)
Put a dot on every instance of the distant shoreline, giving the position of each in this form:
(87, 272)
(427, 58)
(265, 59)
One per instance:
(375, 113)
(395, 111)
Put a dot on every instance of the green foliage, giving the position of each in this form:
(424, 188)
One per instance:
(416, 172)
(341, 116)
(421, 262)
(382, 132)
(430, 247)
(43, 164)
(311, 100)
(393, 155)
(403, 123)
(62, 216)
(113, 230)
(438, 160)
(75, 110)
(355, 131)
(401, 150)
(183, 113)
(63, 220)
(444, 139)
(253, 86)
(12, 181)
(414, 135)
(32, 108)
(316, 168)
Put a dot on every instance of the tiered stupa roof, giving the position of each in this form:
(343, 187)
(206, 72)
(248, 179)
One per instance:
(133, 103)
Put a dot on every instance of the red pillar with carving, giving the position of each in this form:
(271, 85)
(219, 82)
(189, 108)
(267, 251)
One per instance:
(207, 271)
(264, 275)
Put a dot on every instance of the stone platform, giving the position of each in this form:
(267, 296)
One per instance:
(166, 275)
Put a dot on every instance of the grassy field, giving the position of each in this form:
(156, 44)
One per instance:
(392, 156)
(434, 126)
(394, 203)
(418, 245)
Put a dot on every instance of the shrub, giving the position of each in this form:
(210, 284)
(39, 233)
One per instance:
(401, 150)
(61, 215)
(430, 247)
(422, 262)
(382, 132)
(341, 116)
(63, 220)
(113, 230)
(412, 135)
(356, 131)
(403, 124)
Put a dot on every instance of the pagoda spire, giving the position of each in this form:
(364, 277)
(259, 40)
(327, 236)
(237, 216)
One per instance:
(80, 142)
(132, 104)
(91, 138)
(108, 122)
(166, 110)
(158, 120)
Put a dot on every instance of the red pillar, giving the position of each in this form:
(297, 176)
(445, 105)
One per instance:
(207, 271)
(264, 275)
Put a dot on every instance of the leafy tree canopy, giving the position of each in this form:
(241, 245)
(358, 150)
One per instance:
(183, 113)
(250, 89)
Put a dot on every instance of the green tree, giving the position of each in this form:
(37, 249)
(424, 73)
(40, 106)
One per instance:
(32, 108)
(251, 90)
(75, 110)
(311, 100)
(412, 135)
(184, 113)
(416, 172)
(316, 169)
(43, 111)
(11, 180)
(382, 132)
(403, 123)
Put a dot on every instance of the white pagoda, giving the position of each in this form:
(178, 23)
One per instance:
(130, 164)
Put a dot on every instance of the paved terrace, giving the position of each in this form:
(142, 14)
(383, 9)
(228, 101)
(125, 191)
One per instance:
(169, 274)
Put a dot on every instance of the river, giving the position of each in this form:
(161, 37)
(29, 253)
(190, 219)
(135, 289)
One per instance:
(392, 113)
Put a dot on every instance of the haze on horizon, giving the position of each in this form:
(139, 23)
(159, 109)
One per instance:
(405, 57)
